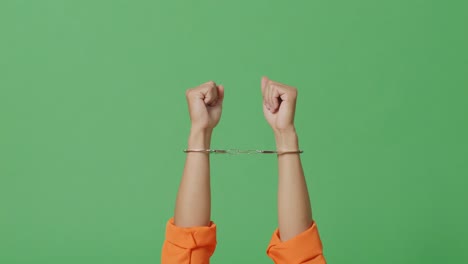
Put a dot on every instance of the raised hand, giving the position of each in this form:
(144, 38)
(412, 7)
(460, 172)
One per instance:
(279, 105)
(205, 105)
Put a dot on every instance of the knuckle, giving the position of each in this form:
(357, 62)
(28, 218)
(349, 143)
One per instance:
(192, 92)
(294, 91)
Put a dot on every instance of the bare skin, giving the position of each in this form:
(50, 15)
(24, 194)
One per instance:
(193, 205)
(294, 211)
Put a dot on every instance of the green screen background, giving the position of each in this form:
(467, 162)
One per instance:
(93, 120)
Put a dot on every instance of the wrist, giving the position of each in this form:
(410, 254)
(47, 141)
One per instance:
(287, 140)
(199, 138)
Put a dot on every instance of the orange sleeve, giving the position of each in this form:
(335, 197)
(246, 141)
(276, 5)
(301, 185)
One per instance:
(193, 245)
(305, 248)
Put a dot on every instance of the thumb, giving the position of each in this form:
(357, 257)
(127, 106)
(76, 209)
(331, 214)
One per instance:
(264, 83)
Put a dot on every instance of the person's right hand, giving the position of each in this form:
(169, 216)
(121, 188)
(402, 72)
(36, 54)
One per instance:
(205, 105)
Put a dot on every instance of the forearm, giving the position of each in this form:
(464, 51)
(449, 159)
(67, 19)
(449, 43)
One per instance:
(294, 211)
(193, 204)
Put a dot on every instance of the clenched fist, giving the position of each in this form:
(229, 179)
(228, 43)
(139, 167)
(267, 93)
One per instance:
(279, 105)
(205, 105)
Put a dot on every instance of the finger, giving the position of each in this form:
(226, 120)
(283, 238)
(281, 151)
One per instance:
(209, 83)
(265, 109)
(268, 94)
(264, 83)
(286, 92)
(199, 91)
(271, 96)
(275, 98)
(220, 95)
(274, 91)
(210, 93)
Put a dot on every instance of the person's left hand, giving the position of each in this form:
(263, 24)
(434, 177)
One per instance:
(279, 105)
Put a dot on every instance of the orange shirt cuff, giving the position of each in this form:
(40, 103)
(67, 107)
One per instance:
(191, 237)
(306, 246)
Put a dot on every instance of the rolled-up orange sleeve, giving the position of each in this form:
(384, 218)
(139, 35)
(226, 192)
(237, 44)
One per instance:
(193, 245)
(305, 248)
